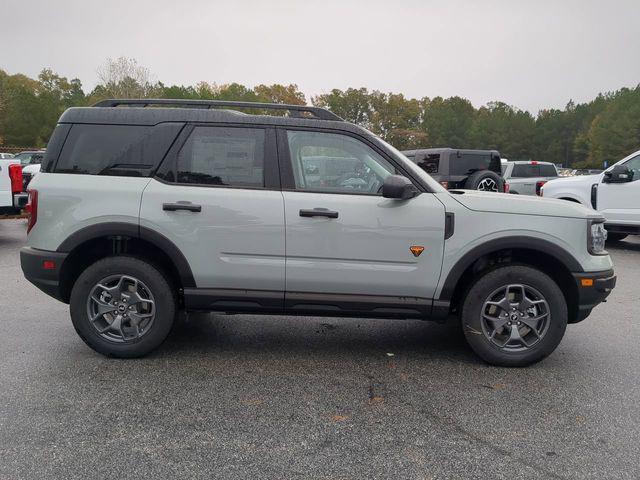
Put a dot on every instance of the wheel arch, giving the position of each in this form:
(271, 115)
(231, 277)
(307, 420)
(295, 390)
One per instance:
(95, 242)
(544, 255)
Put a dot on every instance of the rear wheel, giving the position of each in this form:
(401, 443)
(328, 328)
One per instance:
(122, 307)
(616, 237)
(485, 180)
(514, 316)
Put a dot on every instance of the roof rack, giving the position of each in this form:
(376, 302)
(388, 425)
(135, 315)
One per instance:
(294, 110)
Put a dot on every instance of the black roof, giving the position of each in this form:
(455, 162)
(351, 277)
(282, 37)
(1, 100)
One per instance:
(136, 112)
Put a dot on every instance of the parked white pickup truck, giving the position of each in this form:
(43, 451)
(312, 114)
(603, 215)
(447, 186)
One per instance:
(615, 193)
(12, 199)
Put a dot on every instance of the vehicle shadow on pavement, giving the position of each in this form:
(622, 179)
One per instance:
(240, 334)
(624, 245)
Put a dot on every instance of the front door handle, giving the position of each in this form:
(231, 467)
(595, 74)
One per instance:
(319, 212)
(188, 206)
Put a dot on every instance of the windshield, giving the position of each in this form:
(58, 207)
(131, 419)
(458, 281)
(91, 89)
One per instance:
(415, 169)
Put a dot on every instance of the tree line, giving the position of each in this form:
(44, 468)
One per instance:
(580, 135)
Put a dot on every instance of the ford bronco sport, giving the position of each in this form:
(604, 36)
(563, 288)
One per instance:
(144, 207)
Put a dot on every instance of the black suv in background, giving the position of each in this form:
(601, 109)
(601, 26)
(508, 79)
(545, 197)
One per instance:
(454, 168)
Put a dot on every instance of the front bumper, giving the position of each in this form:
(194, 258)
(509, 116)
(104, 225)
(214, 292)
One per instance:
(42, 268)
(593, 289)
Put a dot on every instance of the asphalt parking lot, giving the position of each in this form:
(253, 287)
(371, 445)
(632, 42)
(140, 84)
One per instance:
(280, 397)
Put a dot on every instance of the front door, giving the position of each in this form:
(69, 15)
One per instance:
(220, 203)
(620, 202)
(348, 249)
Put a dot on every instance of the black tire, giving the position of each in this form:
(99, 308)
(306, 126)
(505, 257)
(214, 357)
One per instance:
(481, 179)
(152, 278)
(475, 327)
(616, 237)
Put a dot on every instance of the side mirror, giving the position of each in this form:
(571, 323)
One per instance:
(397, 186)
(618, 174)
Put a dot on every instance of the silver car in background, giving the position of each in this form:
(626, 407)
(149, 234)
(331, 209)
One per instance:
(527, 177)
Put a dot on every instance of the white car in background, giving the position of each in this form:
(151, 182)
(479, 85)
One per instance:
(30, 162)
(615, 193)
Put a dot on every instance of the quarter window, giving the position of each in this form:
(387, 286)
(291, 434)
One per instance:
(225, 156)
(329, 162)
(121, 150)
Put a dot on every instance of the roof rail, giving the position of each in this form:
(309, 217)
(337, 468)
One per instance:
(294, 110)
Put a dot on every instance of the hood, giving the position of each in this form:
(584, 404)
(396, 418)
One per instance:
(521, 204)
(32, 169)
(578, 179)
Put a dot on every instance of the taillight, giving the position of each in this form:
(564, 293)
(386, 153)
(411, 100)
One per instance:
(506, 187)
(32, 208)
(15, 174)
(539, 186)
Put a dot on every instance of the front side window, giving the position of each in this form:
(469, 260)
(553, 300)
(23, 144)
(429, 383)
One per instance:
(224, 156)
(634, 166)
(329, 162)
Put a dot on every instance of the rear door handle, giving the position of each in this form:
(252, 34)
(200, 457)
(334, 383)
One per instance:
(319, 212)
(188, 206)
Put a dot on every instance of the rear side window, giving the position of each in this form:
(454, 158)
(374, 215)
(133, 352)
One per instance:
(226, 156)
(548, 171)
(430, 163)
(121, 150)
(524, 170)
(468, 163)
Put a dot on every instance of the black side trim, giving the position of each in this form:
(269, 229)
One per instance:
(449, 224)
(594, 196)
(347, 305)
(302, 303)
(590, 296)
(109, 229)
(520, 242)
(31, 261)
(233, 300)
(122, 229)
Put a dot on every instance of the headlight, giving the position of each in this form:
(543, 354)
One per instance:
(596, 237)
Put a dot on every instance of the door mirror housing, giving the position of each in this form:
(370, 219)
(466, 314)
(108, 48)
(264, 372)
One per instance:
(618, 174)
(397, 186)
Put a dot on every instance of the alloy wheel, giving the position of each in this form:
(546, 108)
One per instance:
(515, 317)
(121, 308)
(488, 185)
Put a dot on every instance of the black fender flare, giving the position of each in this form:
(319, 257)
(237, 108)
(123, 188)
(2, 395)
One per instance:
(505, 243)
(131, 230)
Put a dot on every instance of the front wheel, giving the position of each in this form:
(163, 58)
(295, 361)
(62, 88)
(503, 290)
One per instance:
(122, 307)
(514, 316)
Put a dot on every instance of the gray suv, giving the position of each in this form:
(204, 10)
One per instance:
(139, 212)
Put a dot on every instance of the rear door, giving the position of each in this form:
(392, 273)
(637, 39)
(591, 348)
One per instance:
(348, 248)
(620, 202)
(217, 198)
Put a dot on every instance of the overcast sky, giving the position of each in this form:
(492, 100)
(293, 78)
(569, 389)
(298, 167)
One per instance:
(532, 54)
